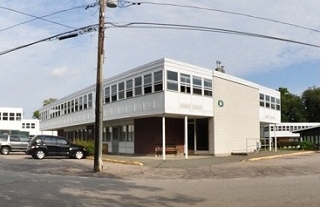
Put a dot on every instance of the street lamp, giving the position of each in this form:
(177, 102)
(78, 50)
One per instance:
(98, 166)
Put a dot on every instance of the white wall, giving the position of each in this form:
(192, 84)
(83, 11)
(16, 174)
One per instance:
(237, 120)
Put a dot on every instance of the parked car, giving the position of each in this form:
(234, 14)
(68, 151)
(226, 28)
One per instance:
(41, 146)
(13, 143)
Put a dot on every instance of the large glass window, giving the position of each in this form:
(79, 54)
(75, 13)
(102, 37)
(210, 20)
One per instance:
(123, 136)
(107, 94)
(76, 104)
(80, 103)
(72, 105)
(158, 81)
(129, 88)
(185, 83)
(278, 104)
(130, 133)
(272, 103)
(147, 83)
(207, 87)
(85, 102)
(197, 85)
(90, 100)
(261, 99)
(114, 93)
(121, 90)
(267, 101)
(11, 118)
(68, 107)
(18, 116)
(172, 80)
(138, 86)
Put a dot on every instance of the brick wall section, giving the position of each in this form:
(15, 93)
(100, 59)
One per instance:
(148, 132)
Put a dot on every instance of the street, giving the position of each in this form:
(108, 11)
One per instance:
(289, 181)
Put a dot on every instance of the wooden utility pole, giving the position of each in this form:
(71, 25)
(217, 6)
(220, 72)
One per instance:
(98, 164)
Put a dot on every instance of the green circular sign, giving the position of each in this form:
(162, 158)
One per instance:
(220, 103)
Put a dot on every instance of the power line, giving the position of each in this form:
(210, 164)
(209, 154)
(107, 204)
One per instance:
(37, 18)
(92, 28)
(218, 10)
(205, 29)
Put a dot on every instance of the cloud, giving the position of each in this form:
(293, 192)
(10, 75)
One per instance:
(58, 68)
(60, 71)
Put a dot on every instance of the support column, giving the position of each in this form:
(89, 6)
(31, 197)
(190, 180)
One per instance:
(186, 137)
(270, 139)
(195, 137)
(163, 138)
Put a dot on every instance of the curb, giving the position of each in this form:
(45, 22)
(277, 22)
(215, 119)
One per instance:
(119, 161)
(123, 162)
(283, 155)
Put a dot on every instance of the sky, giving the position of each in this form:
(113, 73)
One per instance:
(56, 68)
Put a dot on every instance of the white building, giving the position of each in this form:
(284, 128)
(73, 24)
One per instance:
(11, 119)
(169, 102)
(283, 132)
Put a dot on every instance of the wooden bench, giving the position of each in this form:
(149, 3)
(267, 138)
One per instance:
(169, 149)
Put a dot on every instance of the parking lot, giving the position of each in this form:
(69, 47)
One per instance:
(196, 167)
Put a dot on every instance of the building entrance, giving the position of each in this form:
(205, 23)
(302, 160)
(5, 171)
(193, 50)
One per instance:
(115, 140)
(198, 135)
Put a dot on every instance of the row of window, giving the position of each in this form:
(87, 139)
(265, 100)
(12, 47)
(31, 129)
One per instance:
(10, 116)
(28, 125)
(153, 82)
(270, 102)
(312, 139)
(121, 133)
(71, 106)
(285, 128)
(141, 85)
(189, 84)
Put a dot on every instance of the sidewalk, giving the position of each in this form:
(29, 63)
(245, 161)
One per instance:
(196, 160)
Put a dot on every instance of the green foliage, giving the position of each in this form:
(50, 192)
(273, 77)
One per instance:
(89, 146)
(36, 115)
(305, 145)
(311, 101)
(305, 108)
(49, 101)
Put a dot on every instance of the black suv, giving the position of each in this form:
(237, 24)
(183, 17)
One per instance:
(13, 143)
(41, 146)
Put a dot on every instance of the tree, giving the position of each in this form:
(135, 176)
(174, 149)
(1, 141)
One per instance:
(292, 109)
(36, 114)
(311, 102)
(49, 101)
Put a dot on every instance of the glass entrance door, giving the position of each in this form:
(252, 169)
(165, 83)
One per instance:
(115, 140)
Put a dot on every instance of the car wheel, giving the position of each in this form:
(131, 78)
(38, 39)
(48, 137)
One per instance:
(79, 154)
(5, 150)
(40, 154)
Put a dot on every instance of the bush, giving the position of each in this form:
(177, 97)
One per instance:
(306, 145)
(89, 146)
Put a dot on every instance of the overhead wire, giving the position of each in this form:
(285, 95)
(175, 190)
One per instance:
(36, 17)
(93, 27)
(129, 3)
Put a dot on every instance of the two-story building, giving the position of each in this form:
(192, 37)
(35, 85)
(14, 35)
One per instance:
(169, 102)
(12, 121)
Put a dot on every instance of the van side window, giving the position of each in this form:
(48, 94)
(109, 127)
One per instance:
(14, 139)
(49, 140)
(62, 141)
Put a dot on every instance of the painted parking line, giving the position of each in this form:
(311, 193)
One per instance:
(283, 155)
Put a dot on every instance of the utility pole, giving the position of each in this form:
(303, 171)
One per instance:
(98, 164)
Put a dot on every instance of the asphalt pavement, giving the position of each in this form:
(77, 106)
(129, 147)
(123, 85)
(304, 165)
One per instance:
(179, 161)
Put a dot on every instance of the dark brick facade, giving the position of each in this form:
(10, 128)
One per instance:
(148, 132)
